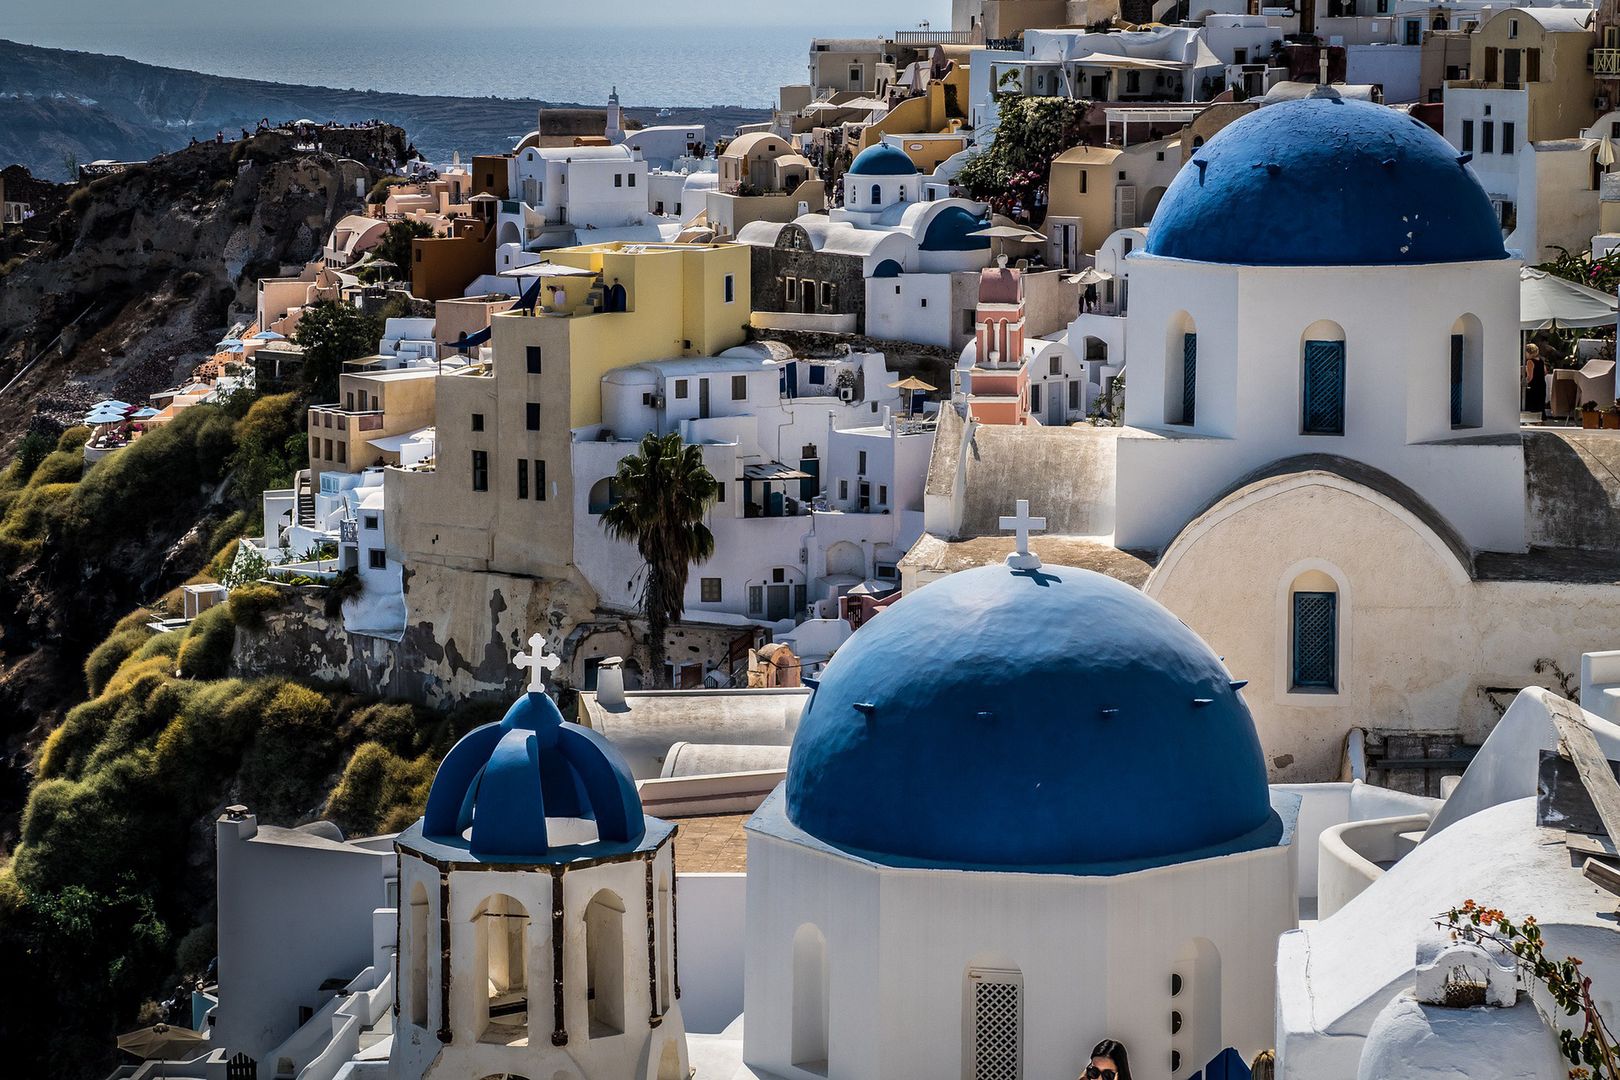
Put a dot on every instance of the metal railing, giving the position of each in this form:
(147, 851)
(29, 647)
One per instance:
(933, 37)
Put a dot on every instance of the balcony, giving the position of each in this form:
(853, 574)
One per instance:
(933, 37)
(364, 420)
(1606, 63)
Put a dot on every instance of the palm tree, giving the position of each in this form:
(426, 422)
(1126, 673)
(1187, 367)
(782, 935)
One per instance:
(660, 495)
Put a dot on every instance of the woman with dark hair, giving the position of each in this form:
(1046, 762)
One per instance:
(1108, 1062)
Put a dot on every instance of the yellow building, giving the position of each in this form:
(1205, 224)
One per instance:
(350, 435)
(500, 496)
(941, 110)
(1543, 53)
(1097, 189)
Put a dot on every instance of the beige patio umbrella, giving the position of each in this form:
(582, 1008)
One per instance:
(1605, 152)
(1006, 234)
(910, 384)
(161, 1041)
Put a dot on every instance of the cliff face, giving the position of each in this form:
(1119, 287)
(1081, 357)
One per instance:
(139, 271)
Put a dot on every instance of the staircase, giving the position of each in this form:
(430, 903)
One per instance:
(305, 515)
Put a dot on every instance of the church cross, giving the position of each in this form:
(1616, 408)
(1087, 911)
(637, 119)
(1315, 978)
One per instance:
(538, 661)
(1022, 525)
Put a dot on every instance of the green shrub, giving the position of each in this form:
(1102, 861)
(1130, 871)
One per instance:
(394, 724)
(59, 467)
(380, 791)
(167, 644)
(74, 438)
(285, 769)
(105, 658)
(210, 643)
(251, 602)
(32, 449)
(270, 447)
(224, 536)
(196, 950)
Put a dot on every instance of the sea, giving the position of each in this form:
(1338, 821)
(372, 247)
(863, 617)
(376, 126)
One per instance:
(650, 65)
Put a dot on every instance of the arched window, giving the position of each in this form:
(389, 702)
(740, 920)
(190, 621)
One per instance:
(1467, 373)
(503, 943)
(1181, 371)
(877, 195)
(995, 1009)
(604, 963)
(417, 957)
(603, 495)
(1322, 380)
(811, 1000)
(1195, 1008)
(1313, 631)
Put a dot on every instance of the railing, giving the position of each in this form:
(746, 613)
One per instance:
(1606, 63)
(933, 37)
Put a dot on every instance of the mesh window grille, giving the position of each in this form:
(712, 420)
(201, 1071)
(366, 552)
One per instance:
(996, 1004)
(1324, 388)
(1316, 634)
(1189, 377)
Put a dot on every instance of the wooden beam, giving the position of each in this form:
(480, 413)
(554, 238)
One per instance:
(1602, 874)
(1576, 741)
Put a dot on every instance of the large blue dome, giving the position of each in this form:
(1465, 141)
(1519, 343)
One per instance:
(1053, 719)
(496, 787)
(1322, 181)
(882, 160)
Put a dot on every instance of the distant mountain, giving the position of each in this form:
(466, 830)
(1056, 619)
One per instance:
(56, 104)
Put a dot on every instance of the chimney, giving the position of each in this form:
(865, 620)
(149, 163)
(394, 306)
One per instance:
(610, 683)
(1322, 66)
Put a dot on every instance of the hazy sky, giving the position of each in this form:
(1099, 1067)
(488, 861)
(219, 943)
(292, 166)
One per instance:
(717, 13)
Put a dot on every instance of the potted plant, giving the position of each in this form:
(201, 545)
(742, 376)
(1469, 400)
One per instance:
(1611, 417)
(1590, 417)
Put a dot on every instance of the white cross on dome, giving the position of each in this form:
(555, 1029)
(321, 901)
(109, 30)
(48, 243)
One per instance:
(1022, 525)
(538, 661)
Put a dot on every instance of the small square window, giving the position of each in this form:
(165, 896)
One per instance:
(371, 522)
(618, 180)
(739, 388)
(531, 415)
(632, 179)
(924, 301)
(710, 590)
(478, 421)
(680, 388)
(377, 558)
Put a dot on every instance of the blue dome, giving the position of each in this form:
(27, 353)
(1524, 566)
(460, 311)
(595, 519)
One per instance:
(882, 160)
(1322, 181)
(950, 231)
(1053, 719)
(503, 780)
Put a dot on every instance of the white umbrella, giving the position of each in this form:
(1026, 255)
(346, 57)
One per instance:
(269, 335)
(1605, 152)
(109, 403)
(1549, 302)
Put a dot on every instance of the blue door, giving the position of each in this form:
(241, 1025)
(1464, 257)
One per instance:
(1324, 388)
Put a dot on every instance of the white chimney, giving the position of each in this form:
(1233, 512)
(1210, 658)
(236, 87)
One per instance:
(610, 683)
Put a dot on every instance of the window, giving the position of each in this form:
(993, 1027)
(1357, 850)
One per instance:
(1490, 63)
(532, 354)
(1323, 389)
(1467, 136)
(792, 289)
(883, 495)
(995, 1040)
(826, 294)
(855, 73)
(1532, 65)
(861, 459)
(314, 448)
(970, 321)
(632, 179)
(377, 558)
(531, 415)
(480, 477)
(478, 421)
(843, 490)
(1035, 398)
(1055, 367)
(349, 401)
(731, 287)
(720, 491)
(709, 590)
(739, 388)
(523, 478)
(328, 454)
(811, 1000)
(921, 303)
(1315, 640)
(877, 195)
(1074, 395)
(371, 522)
(1507, 136)
(1467, 373)
(539, 480)
(618, 180)
(1487, 137)
(680, 388)
(1513, 29)
(343, 453)
(1189, 379)
(756, 599)
(1082, 181)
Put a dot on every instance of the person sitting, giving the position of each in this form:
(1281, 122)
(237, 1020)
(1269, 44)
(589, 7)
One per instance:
(1265, 1065)
(1108, 1062)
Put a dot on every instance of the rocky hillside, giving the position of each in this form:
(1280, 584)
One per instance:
(56, 104)
(134, 278)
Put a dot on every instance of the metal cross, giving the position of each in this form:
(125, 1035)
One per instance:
(538, 661)
(1023, 524)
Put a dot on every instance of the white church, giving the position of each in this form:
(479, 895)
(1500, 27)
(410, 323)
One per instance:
(1028, 807)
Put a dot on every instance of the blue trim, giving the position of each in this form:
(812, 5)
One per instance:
(1322, 411)
(1316, 640)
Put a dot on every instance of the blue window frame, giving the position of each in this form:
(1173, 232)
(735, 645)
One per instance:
(1323, 398)
(1316, 641)
(1456, 380)
(1189, 377)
